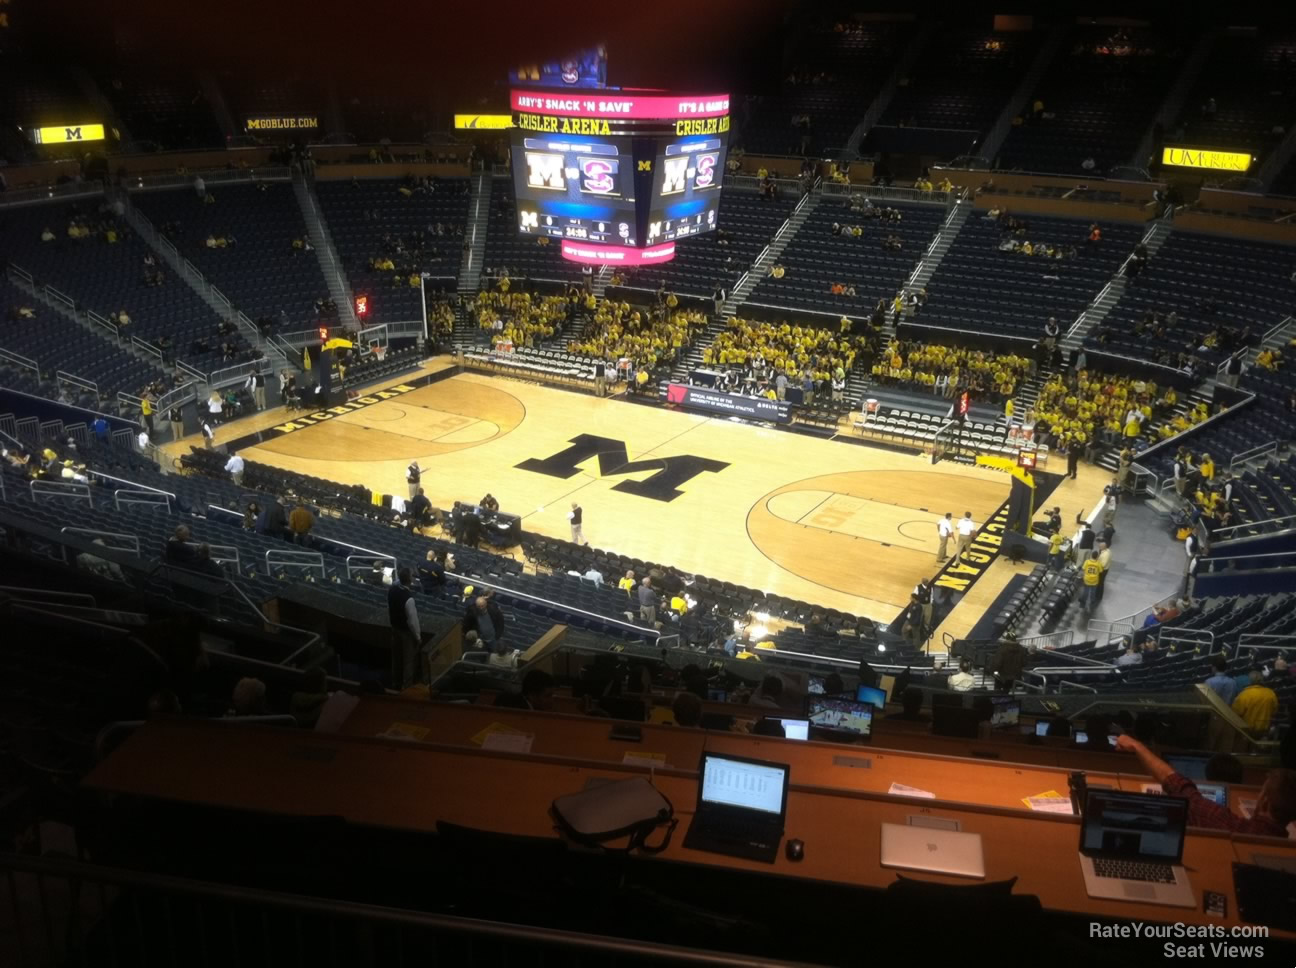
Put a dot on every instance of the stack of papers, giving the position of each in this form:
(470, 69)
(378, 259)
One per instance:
(498, 736)
(900, 790)
(1050, 801)
(655, 760)
(405, 731)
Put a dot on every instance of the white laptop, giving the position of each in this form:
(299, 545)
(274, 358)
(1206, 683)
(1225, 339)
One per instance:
(931, 850)
(1131, 845)
(795, 728)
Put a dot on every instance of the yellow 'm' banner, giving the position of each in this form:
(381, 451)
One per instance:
(61, 133)
(1206, 158)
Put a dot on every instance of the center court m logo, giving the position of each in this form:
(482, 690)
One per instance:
(614, 460)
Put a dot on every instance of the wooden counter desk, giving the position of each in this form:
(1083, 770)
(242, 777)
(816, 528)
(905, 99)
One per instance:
(868, 768)
(553, 734)
(410, 786)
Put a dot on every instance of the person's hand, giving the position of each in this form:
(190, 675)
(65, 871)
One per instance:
(1126, 743)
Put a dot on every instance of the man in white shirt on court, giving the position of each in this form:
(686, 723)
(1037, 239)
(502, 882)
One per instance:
(966, 530)
(944, 528)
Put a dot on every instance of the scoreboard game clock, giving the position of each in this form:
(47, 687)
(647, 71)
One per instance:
(618, 176)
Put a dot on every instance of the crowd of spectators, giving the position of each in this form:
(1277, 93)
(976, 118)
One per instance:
(947, 369)
(521, 318)
(1014, 237)
(1091, 408)
(647, 336)
(779, 353)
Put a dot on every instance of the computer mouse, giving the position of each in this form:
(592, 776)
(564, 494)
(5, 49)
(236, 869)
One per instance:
(795, 850)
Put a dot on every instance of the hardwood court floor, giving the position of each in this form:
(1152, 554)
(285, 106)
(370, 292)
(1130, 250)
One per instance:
(847, 526)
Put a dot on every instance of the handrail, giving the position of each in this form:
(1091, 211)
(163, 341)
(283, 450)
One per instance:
(220, 552)
(60, 296)
(155, 498)
(1075, 685)
(220, 297)
(1174, 635)
(17, 359)
(132, 539)
(477, 582)
(1170, 441)
(135, 644)
(998, 337)
(133, 485)
(191, 370)
(62, 376)
(1134, 619)
(559, 946)
(892, 192)
(50, 593)
(210, 176)
(130, 399)
(1249, 455)
(476, 665)
(147, 347)
(1254, 524)
(1264, 641)
(178, 396)
(69, 489)
(1211, 562)
(1065, 637)
(239, 371)
(289, 558)
(369, 560)
(94, 317)
(150, 568)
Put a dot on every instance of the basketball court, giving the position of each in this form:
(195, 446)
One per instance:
(843, 525)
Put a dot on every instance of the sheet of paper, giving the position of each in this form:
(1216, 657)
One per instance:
(337, 707)
(655, 760)
(405, 731)
(508, 742)
(1246, 806)
(480, 738)
(900, 790)
(1050, 804)
(1047, 794)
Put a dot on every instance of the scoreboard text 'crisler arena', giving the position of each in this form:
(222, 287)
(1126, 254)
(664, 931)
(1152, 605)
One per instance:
(618, 176)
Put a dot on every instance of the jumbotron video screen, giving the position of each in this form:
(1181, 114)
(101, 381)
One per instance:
(617, 176)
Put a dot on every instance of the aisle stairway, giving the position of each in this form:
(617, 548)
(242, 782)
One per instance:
(1111, 293)
(769, 255)
(188, 272)
(325, 252)
(475, 233)
(935, 254)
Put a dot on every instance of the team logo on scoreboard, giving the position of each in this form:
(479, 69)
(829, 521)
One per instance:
(678, 172)
(530, 220)
(674, 172)
(704, 171)
(598, 176)
(545, 170)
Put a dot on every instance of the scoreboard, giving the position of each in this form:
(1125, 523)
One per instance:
(618, 176)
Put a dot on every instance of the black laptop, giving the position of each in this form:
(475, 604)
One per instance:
(741, 807)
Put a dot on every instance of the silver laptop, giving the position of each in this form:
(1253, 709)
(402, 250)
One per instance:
(795, 728)
(1131, 845)
(933, 851)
